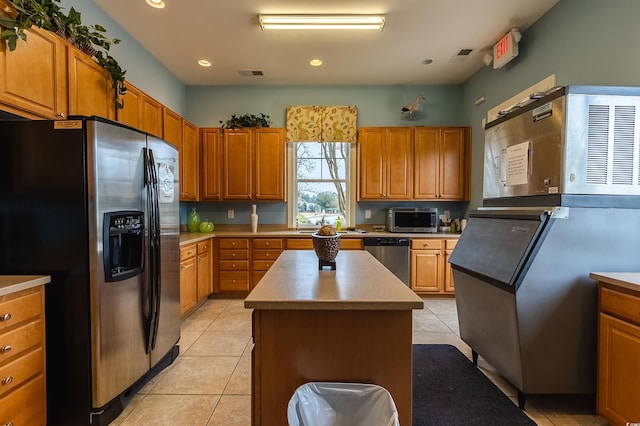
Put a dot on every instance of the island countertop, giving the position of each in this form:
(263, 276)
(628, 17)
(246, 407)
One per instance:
(13, 283)
(359, 282)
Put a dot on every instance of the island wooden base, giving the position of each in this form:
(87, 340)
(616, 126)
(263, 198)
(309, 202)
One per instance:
(293, 347)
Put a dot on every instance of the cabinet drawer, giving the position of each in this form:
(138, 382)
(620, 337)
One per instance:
(267, 243)
(262, 265)
(187, 251)
(299, 244)
(19, 307)
(15, 373)
(233, 254)
(234, 281)
(20, 339)
(350, 244)
(620, 304)
(204, 246)
(266, 254)
(429, 244)
(450, 244)
(26, 405)
(233, 243)
(234, 265)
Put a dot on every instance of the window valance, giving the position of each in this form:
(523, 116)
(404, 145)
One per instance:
(322, 124)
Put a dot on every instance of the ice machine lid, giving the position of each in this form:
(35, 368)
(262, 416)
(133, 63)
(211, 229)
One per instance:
(497, 246)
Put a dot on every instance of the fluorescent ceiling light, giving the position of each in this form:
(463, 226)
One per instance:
(322, 22)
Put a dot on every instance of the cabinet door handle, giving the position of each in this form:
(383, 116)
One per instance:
(5, 349)
(267, 243)
(5, 317)
(7, 380)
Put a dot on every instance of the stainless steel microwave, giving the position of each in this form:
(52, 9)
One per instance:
(412, 219)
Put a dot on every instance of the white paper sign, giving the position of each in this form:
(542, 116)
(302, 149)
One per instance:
(518, 164)
(165, 183)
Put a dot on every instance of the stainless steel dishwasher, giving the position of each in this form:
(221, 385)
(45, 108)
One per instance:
(392, 252)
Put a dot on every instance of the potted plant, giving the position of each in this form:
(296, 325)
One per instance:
(48, 15)
(246, 120)
(28, 13)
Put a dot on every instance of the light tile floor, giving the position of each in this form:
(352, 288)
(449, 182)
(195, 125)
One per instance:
(210, 382)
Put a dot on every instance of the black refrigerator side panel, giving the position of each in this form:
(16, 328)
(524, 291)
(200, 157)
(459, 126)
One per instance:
(43, 230)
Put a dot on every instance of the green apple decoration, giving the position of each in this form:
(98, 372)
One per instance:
(206, 226)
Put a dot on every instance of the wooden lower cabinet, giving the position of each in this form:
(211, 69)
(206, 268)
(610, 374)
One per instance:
(233, 265)
(22, 366)
(196, 274)
(188, 278)
(430, 272)
(205, 270)
(264, 252)
(449, 245)
(618, 393)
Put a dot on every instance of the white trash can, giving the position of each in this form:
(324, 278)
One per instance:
(341, 404)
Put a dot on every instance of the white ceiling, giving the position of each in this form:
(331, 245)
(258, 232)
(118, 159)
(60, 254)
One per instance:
(227, 33)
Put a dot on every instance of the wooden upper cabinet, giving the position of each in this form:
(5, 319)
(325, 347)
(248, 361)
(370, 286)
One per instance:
(90, 87)
(453, 164)
(399, 163)
(386, 163)
(211, 149)
(129, 115)
(371, 147)
(253, 164)
(441, 163)
(151, 116)
(141, 111)
(237, 158)
(172, 127)
(189, 161)
(269, 164)
(426, 155)
(33, 78)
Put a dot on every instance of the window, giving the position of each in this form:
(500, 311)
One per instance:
(322, 183)
(322, 153)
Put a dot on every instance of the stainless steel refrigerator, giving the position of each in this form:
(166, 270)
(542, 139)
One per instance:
(94, 204)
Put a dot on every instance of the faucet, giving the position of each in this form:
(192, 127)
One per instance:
(322, 221)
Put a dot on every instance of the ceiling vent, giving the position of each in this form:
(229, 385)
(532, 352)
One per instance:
(250, 73)
(461, 56)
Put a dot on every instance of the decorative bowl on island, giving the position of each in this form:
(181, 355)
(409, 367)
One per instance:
(326, 246)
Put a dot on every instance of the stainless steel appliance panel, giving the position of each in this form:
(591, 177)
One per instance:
(115, 182)
(392, 252)
(545, 140)
(167, 169)
(583, 140)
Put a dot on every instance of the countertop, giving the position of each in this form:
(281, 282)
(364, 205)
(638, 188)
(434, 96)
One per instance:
(359, 282)
(194, 237)
(628, 280)
(13, 283)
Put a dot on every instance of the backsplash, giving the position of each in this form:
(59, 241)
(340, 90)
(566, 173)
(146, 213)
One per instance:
(276, 213)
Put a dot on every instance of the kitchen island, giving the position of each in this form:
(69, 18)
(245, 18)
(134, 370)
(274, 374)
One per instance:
(352, 324)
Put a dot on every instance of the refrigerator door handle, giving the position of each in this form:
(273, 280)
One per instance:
(156, 281)
(148, 182)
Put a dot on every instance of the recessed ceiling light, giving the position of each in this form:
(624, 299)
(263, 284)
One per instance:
(158, 4)
(204, 63)
(315, 62)
(427, 61)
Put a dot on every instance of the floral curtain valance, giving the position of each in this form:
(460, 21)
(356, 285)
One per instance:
(322, 123)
